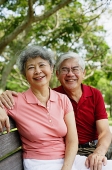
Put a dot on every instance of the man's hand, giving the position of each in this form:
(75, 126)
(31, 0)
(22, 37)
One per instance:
(6, 99)
(95, 161)
(4, 121)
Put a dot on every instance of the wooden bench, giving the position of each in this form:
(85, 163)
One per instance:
(10, 150)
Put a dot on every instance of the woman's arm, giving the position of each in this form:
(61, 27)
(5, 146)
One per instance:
(4, 120)
(6, 99)
(71, 141)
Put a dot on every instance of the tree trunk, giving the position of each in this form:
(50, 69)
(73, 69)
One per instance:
(6, 71)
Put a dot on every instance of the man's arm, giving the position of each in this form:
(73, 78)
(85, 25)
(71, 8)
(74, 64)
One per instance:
(4, 120)
(6, 99)
(104, 136)
(104, 141)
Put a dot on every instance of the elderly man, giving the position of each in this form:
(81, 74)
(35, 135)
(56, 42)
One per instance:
(89, 109)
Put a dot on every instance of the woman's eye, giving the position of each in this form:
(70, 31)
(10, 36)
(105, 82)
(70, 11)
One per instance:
(30, 68)
(42, 65)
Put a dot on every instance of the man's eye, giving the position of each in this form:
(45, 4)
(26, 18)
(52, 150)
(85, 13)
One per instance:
(75, 69)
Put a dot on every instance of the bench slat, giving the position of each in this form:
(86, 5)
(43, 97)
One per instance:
(9, 142)
(13, 162)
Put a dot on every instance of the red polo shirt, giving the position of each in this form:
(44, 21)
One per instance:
(88, 110)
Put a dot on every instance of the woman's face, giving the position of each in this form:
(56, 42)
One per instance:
(38, 72)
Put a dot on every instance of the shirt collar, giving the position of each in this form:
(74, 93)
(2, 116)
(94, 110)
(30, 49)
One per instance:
(31, 98)
(86, 90)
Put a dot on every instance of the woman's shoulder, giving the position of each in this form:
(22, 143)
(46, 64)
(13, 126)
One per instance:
(59, 95)
(21, 95)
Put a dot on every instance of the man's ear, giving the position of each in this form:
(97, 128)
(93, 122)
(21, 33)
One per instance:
(84, 73)
(57, 73)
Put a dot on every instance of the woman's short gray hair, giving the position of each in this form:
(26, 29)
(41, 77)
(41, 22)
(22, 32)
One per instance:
(70, 55)
(34, 52)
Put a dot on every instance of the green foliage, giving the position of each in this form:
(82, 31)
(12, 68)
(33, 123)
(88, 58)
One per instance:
(73, 27)
(20, 85)
(96, 80)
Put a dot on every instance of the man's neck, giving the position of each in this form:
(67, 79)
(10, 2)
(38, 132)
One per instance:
(74, 94)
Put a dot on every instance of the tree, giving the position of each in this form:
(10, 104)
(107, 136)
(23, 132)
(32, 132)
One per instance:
(61, 25)
(17, 26)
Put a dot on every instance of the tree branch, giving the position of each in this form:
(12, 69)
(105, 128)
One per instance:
(52, 11)
(29, 20)
(30, 10)
(2, 1)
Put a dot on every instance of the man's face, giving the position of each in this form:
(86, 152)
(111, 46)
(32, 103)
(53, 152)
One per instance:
(70, 74)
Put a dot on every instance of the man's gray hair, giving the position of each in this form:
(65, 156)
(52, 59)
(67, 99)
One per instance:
(34, 52)
(68, 55)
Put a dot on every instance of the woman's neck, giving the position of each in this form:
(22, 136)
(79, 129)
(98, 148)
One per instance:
(42, 94)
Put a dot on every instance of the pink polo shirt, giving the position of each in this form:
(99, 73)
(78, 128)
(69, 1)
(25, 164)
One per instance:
(42, 129)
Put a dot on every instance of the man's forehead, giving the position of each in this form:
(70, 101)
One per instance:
(70, 62)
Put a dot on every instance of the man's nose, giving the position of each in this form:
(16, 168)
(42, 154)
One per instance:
(70, 72)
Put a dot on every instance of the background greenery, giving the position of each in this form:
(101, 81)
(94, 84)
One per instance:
(60, 25)
(110, 121)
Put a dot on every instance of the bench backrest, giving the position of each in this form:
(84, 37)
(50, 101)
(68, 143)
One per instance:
(10, 150)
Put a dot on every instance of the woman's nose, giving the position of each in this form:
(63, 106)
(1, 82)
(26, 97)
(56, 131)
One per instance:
(37, 70)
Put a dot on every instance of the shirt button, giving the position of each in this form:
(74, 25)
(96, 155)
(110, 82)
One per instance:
(50, 120)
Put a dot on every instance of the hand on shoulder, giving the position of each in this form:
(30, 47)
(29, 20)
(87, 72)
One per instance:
(6, 99)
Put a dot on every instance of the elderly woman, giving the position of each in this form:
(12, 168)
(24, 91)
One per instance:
(44, 118)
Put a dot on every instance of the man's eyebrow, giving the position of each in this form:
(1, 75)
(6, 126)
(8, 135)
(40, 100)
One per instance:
(75, 67)
(65, 67)
(70, 67)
